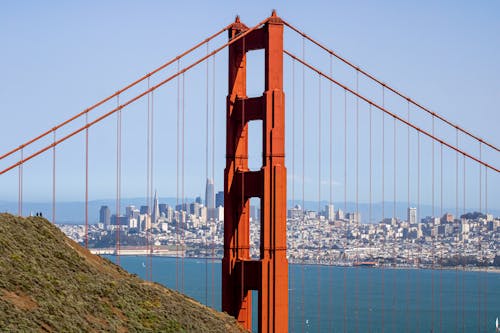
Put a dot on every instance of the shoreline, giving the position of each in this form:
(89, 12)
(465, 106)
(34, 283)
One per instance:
(159, 252)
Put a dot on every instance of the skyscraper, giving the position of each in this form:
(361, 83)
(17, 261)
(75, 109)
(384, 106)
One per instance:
(330, 212)
(105, 215)
(209, 198)
(412, 215)
(155, 214)
(219, 199)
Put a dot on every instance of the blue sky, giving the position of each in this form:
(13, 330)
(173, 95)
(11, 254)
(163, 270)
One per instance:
(60, 57)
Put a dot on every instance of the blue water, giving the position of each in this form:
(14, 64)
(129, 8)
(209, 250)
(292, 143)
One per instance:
(347, 299)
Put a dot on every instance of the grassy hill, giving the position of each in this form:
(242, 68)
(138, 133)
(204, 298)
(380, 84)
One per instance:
(48, 283)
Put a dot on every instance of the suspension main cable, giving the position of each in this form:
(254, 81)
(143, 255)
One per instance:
(391, 113)
(147, 76)
(132, 100)
(389, 87)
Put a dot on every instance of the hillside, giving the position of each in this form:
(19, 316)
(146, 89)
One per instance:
(48, 283)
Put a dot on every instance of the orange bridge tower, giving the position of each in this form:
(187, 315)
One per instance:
(269, 274)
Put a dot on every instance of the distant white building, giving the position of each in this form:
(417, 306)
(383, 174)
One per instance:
(295, 212)
(340, 214)
(219, 213)
(330, 212)
(412, 215)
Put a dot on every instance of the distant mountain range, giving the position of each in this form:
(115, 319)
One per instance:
(73, 212)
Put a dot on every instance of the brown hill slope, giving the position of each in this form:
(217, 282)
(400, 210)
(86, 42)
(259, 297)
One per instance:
(48, 283)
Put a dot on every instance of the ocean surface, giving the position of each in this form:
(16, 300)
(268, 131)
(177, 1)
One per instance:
(349, 299)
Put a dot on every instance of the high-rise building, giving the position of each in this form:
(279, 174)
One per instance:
(194, 209)
(105, 215)
(219, 213)
(144, 210)
(163, 208)
(219, 199)
(155, 214)
(198, 200)
(330, 212)
(340, 214)
(209, 198)
(412, 215)
(129, 211)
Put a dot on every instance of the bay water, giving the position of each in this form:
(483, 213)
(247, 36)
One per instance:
(351, 299)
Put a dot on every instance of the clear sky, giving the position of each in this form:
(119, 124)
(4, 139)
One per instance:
(59, 57)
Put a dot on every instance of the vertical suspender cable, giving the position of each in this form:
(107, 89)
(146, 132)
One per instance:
(151, 179)
(395, 172)
(456, 217)
(441, 248)
(213, 172)
(148, 187)
(177, 209)
(479, 275)
(407, 319)
(480, 177)
(54, 178)
(383, 212)
(345, 150)
(183, 174)
(345, 209)
(370, 215)
(303, 170)
(486, 275)
(118, 178)
(292, 270)
(433, 231)
(20, 188)
(463, 266)
(417, 293)
(383, 168)
(319, 204)
(86, 182)
(206, 171)
(356, 273)
(394, 272)
(330, 285)
(480, 244)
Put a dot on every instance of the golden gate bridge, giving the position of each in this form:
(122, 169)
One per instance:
(369, 141)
